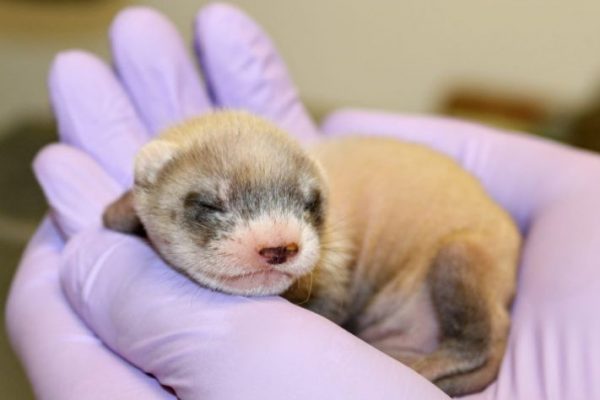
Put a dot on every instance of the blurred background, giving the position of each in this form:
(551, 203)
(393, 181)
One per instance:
(526, 65)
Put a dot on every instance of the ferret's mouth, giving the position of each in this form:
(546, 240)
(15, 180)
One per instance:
(264, 282)
(256, 274)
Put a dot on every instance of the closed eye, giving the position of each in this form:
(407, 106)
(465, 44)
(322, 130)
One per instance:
(210, 207)
(200, 204)
(314, 203)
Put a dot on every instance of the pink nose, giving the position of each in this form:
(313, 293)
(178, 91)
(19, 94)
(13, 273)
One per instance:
(279, 255)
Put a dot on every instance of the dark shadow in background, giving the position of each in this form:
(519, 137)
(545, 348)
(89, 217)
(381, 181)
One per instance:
(22, 205)
(44, 18)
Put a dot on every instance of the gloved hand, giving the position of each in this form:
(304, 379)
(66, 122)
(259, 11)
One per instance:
(205, 344)
(140, 316)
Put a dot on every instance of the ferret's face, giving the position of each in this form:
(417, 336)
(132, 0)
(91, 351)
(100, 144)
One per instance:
(243, 218)
(251, 237)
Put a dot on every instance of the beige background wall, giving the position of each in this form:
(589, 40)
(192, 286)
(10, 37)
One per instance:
(399, 55)
(396, 55)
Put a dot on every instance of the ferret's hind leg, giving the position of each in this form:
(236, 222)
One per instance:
(473, 324)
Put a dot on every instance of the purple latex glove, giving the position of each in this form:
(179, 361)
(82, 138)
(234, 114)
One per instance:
(140, 316)
(205, 344)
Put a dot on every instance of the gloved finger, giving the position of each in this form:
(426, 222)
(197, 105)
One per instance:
(522, 173)
(244, 70)
(553, 350)
(94, 113)
(156, 69)
(75, 186)
(62, 358)
(210, 345)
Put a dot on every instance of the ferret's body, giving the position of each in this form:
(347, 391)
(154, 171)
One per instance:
(412, 219)
(392, 240)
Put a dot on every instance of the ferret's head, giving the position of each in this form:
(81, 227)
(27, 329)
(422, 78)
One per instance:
(233, 202)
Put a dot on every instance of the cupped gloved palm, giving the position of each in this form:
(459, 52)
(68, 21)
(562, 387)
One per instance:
(147, 326)
(141, 317)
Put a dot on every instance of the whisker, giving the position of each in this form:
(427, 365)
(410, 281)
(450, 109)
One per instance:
(310, 286)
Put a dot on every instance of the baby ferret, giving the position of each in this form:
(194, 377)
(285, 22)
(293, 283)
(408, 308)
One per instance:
(391, 240)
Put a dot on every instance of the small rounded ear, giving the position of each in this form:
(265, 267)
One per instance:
(150, 160)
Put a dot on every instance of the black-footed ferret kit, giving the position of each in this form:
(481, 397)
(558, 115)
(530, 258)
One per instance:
(391, 240)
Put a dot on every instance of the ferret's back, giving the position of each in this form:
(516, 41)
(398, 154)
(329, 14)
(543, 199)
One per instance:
(408, 180)
(400, 197)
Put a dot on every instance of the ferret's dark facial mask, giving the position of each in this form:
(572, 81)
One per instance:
(235, 212)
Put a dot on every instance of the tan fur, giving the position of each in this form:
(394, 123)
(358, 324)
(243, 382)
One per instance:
(408, 210)
(414, 257)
